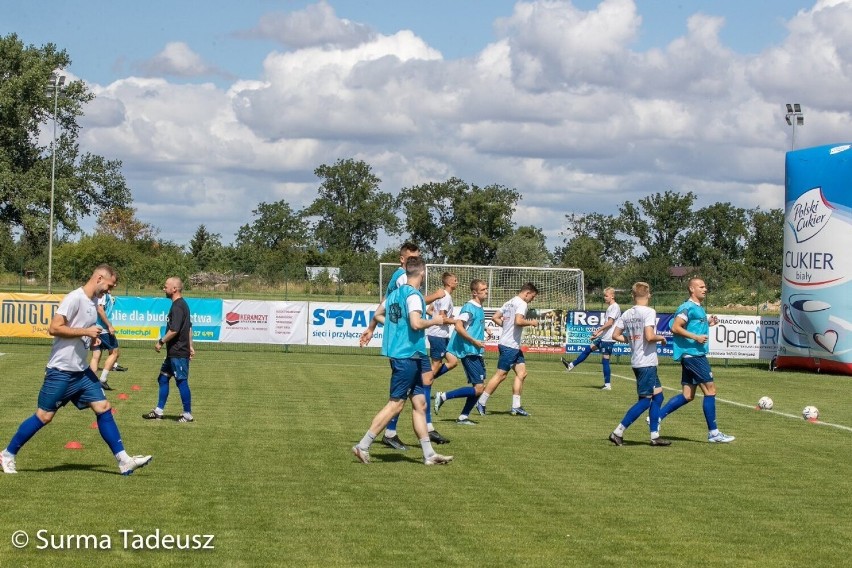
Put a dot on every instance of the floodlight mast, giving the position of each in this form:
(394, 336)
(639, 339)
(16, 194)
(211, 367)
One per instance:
(794, 117)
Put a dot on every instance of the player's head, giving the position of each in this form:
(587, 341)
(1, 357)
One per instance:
(104, 279)
(609, 295)
(173, 286)
(478, 289)
(641, 290)
(414, 267)
(528, 292)
(406, 251)
(449, 280)
(697, 289)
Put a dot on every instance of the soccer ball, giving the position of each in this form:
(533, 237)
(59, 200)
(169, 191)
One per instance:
(765, 403)
(810, 413)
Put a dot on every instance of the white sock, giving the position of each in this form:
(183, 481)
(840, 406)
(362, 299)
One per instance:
(158, 410)
(430, 427)
(428, 450)
(619, 430)
(390, 433)
(483, 399)
(104, 375)
(516, 401)
(367, 440)
(122, 457)
(463, 417)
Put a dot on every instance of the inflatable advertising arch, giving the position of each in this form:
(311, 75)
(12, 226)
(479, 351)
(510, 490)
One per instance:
(816, 288)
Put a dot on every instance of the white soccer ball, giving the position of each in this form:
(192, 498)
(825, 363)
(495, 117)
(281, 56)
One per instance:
(765, 403)
(810, 413)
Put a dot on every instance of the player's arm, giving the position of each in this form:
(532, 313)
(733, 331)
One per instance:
(679, 328)
(521, 321)
(378, 318)
(105, 319)
(651, 335)
(191, 346)
(59, 328)
(618, 334)
(497, 318)
(436, 295)
(602, 329)
(416, 321)
(460, 329)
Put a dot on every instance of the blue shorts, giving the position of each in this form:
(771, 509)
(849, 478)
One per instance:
(438, 347)
(177, 367)
(425, 368)
(108, 342)
(604, 347)
(695, 370)
(509, 357)
(474, 369)
(405, 376)
(646, 380)
(61, 387)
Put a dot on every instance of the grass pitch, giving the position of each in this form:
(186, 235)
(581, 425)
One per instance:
(267, 469)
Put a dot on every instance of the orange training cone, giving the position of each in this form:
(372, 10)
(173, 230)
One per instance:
(123, 396)
(73, 446)
(136, 388)
(94, 425)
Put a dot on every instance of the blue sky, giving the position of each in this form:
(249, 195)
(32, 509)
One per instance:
(216, 106)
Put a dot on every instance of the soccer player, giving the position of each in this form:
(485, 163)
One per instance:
(69, 379)
(404, 343)
(638, 328)
(512, 317)
(439, 336)
(179, 351)
(468, 344)
(690, 330)
(399, 278)
(108, 341)
(601, 339)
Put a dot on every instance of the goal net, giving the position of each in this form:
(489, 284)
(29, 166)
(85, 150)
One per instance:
(560, 290)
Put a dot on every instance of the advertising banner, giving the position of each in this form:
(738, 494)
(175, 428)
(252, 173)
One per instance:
(254, 321)
(744, 337)
(145, 318)
(27, 315)
(580, 325)
(341, 324)
(816, 285)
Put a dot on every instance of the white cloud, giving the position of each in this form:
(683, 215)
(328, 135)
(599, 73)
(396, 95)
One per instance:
(560, 107)
(177, 59)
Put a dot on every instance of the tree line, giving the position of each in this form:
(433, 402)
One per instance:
(453, 221)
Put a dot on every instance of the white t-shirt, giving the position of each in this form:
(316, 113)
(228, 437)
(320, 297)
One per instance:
(444, 304)
(613, 312)
(80, 311)
(511, 334)
(633, 322)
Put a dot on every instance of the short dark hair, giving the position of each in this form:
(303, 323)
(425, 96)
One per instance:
(408, 246)
(446, 276)
(529, 287)
(475, 283)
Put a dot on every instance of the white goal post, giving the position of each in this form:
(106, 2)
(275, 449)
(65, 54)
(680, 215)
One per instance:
(560, 290)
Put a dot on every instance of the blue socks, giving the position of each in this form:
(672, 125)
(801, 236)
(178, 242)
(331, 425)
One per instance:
(26, 430)
(109, 432)
(673, 404)
(709, 406)
(654, 412)
(164, 391)
(607, 372)
(635, 411)
(469, 404)
(441, 371)
(462, 392)
(582, 356)
(427, 391)
(185, 395)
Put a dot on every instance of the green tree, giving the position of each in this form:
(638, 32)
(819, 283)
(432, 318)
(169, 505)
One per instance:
(481, 218)
(428, 215)
(526, 246)
(85, 183)
(277, 237)
(205, 246)
(657, 223)
(350, 209)
(715, 241)
(764, 247)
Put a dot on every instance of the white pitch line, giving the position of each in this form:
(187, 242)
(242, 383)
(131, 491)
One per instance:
(751, 406)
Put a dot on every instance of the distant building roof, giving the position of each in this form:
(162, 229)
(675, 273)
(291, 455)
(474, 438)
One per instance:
(680, 271)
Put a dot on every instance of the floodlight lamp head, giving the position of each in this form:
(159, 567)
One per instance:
(789, 122)
(800, 120)
(797, 107)
(789, 107)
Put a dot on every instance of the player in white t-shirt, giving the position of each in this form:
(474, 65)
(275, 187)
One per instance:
(512, 317)
(638, 327)
(601, 339)
(68, 377)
